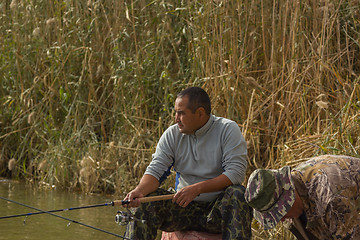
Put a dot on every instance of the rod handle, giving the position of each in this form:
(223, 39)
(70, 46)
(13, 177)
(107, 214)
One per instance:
(156, 198)
(145, 199)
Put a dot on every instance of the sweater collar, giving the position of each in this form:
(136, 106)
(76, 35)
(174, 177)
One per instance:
(201, 131)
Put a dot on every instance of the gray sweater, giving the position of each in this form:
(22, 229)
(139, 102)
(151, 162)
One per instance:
(217, 148)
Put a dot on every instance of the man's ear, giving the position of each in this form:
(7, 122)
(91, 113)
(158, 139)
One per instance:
(201, 111)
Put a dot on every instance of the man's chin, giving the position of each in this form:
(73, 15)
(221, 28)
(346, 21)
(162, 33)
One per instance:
(181, 129)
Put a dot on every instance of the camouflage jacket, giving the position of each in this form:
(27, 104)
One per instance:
(329, 189)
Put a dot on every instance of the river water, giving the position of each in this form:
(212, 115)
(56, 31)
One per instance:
(46, 226)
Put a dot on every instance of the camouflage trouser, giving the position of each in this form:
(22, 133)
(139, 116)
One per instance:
(228, 214)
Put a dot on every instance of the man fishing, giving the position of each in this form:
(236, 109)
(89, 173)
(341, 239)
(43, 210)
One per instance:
(208, 154)
(320, 197)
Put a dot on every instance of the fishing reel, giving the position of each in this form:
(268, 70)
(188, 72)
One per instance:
(124, 217)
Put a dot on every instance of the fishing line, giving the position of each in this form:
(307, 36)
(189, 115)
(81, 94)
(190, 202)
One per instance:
(65, 218)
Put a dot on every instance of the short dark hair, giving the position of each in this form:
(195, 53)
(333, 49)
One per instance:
(198, 97)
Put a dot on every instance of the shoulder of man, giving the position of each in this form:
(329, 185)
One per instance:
(316, 164)
(225, 121)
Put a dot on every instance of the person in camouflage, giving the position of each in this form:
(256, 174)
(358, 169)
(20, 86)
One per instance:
(209, 155)
(319, 198)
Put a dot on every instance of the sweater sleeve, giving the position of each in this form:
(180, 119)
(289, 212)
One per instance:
(234, 160)
(163, 158)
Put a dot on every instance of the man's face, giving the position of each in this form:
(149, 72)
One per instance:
(187, 121)
(296, 210)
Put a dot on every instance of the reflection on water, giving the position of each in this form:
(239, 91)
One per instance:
(45, 226)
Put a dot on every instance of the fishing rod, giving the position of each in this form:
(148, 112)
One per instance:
(128, 216)
(123, 218)
(145, 199)
(114, 203)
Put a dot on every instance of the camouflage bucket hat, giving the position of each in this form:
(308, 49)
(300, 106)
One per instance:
(271, 193)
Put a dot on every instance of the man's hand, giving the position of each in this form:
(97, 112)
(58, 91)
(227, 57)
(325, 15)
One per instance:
(185, 195)
(133, 198)
(147, 185)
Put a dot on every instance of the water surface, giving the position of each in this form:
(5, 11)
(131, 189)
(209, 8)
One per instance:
(45, 226)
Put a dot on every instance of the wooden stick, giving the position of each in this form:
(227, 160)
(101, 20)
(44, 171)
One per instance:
(145, 199)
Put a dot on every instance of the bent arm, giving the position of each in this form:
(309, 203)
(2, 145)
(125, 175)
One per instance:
(148, 184)
(213, 185)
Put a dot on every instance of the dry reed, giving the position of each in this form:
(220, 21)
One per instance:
(88, 86)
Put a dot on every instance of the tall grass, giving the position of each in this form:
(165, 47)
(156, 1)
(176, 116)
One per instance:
(87, 87)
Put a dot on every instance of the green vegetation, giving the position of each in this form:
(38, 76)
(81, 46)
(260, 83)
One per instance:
(87, 87)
